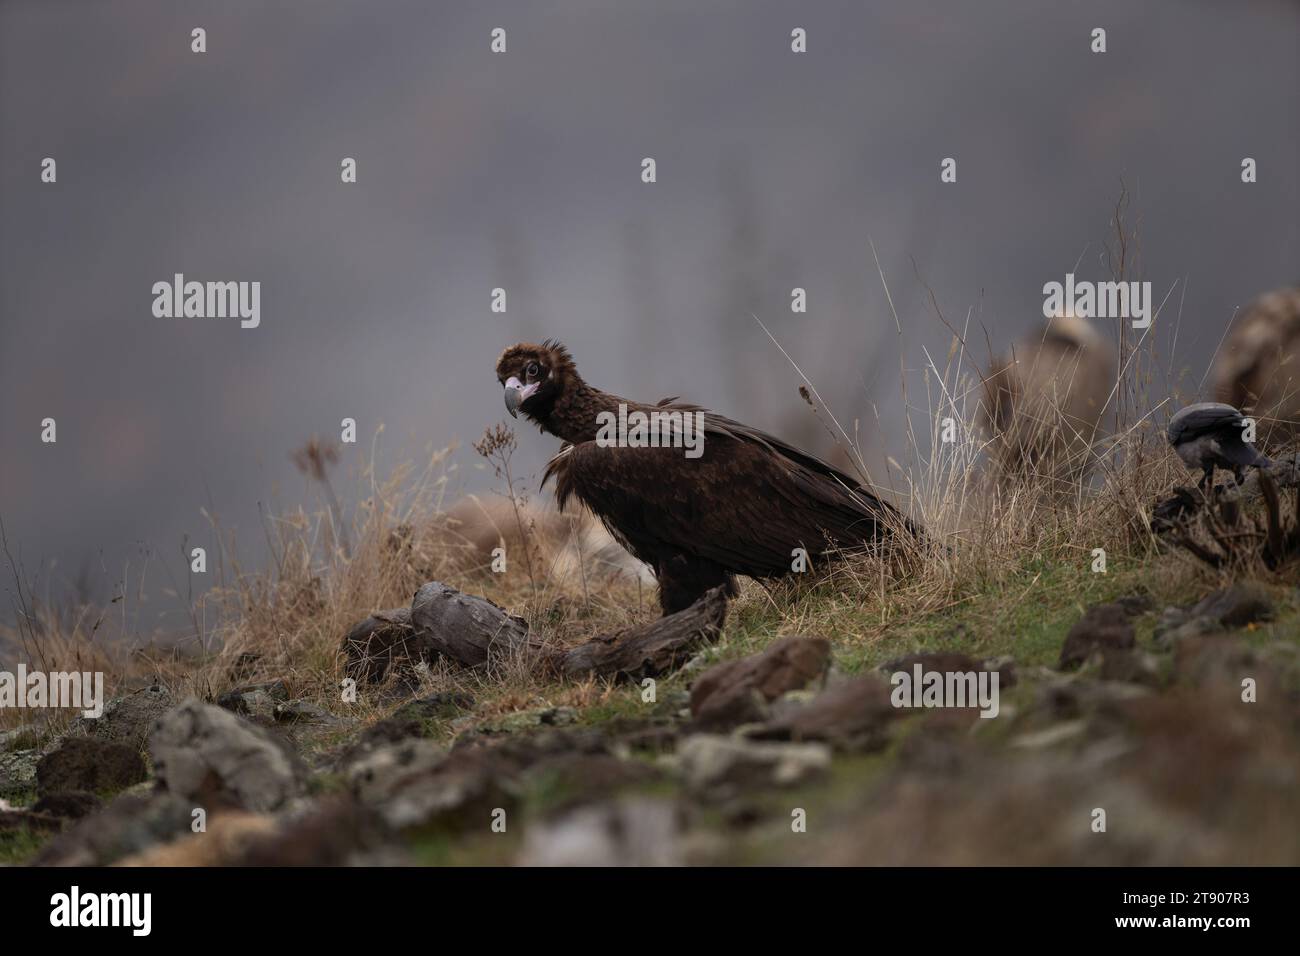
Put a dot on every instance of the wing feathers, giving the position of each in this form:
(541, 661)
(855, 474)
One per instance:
(746, 504)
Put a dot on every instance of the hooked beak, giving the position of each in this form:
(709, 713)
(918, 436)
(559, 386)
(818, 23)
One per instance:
(516, 394)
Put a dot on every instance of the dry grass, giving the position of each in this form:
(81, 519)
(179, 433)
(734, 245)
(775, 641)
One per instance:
(286, 621)
(989, 533)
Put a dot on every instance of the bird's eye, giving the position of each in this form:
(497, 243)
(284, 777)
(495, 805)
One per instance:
(532, 370)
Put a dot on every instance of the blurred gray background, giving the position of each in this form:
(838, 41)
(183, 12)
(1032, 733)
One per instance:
(522, 170)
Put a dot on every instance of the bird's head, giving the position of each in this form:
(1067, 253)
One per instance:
(534, 377)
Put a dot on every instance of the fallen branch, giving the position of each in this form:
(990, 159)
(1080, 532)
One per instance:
(1241, 540)
(649, 650)
(1174, 511)
(443, 623)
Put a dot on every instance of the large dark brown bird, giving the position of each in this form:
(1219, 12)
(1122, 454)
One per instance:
(741, 507)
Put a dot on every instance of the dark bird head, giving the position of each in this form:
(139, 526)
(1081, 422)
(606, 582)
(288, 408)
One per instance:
(1204, 418)
(535, 377)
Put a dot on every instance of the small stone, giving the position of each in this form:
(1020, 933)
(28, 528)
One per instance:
(257, 701)
(711, 762)
(1104, 627)
(635, 831)
(737, 691)
(852, 714)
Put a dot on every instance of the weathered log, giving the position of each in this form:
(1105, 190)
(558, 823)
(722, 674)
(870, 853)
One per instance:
(649, 650)
(470, 630)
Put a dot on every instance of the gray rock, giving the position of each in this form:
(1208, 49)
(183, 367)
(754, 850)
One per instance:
(522, 720)
(128, 719)
(634, 831)
(257, 701)
(18, 773)
(1133, 667)
(413, 719)
(712, 763)
(851, 713)
(416, 783)
(1223, 610)
(1202, 661)
(304, 712)
(203, 753)
(131, 823)
(440, 706)
(1101, 702)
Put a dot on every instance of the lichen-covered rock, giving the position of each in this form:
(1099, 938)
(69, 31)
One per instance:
(206, 754)
(18, 773)
(714, 763)
(128, 719)
(257, 701)
(416, 783)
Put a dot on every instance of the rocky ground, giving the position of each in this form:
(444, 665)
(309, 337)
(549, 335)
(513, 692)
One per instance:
(719, 744)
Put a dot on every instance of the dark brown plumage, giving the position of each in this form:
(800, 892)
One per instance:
(742, 507)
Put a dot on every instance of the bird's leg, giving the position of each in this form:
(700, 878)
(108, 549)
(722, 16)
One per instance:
(684, 580)
(1239, 474)
(1207, 481)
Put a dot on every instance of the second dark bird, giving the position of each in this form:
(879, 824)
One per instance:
(1209, 435)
